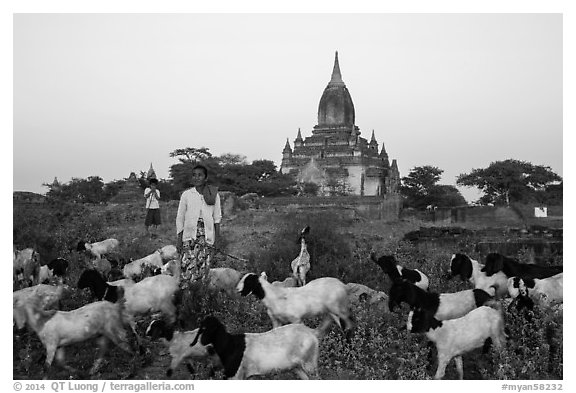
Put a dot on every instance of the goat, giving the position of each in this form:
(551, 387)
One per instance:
(153, 294)
(58, 329)
(396, 272)
(550, 288)
(358, 292)
(98, 249)
(289, 282)
(154, 260)
(512, 268)
(471, 270)
(27, 264)
(48, 296)
(178, 344)
(55, 268)
(442, 306)
(291, 305)
(455, 337)
(301, 265)
(102, 266)
(290, 347)
(223, 279)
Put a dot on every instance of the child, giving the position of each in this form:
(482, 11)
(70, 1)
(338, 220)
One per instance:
(152, 195)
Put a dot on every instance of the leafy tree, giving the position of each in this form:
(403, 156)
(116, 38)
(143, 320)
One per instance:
(509, 181)
(420, 189)
(191, 154)
(90, 190)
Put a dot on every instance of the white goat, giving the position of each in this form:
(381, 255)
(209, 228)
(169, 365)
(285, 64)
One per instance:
(470, 269)
(455, 337)
(359, 292)
(27, 264)
(324, 295)
(224, 279)
(57, 329)
(102, 266)
(178, 344)
(98, 249)
(156, 259)
(289, 282)
(301, 265)
(291, 347)
(46, 296)
(551, 288)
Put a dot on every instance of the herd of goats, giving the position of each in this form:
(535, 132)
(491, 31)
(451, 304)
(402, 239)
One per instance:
(455, 322)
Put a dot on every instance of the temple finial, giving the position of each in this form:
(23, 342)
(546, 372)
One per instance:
(336, 79)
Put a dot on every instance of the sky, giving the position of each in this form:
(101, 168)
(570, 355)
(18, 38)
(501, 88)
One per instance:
(108, 94)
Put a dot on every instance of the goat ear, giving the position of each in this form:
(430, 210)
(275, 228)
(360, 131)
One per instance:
(466, 270)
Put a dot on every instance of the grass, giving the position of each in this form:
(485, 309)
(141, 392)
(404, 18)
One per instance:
(380, 348)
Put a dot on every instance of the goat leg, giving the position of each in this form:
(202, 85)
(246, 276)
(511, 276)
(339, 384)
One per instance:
(103, 346)
(459, 366)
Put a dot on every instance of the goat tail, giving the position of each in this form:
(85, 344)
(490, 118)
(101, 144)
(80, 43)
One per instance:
(321, 330)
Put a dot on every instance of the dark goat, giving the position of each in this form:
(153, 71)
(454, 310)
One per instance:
(396, 272)
(512, 268)
(90, 278)
(59, 266)
(443, 306)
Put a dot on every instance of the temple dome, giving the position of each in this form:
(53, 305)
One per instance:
(336, 108)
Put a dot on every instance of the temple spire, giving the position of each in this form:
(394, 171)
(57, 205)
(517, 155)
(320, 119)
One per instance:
(373, 140)
(151, 173)
(336, 79)
(287, 147)
(299, 136)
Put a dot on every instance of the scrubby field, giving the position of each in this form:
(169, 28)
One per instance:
(339, 248)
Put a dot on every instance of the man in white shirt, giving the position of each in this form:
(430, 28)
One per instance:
(152, 195)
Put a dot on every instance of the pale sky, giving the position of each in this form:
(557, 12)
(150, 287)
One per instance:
(106, 94)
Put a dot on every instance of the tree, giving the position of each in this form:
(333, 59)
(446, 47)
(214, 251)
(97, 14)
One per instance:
(191, 154)
(90, 190)
(420, 189)
(509, 181)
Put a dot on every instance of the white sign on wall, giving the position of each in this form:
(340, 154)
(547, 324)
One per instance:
(540, 212)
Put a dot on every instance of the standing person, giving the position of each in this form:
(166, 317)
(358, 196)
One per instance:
(152, 195)
(198, 225)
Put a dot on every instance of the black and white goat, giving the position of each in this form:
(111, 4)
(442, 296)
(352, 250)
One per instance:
(291, 347)
(471, 270)
(178, 344)
(153, 294)
(58, 329)
(396, 272)
(443, 306)
(455, 337)
(301, 265)
(326, 295)
(512, 268)
(98, 249)
(548, 290)
(55, 268)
